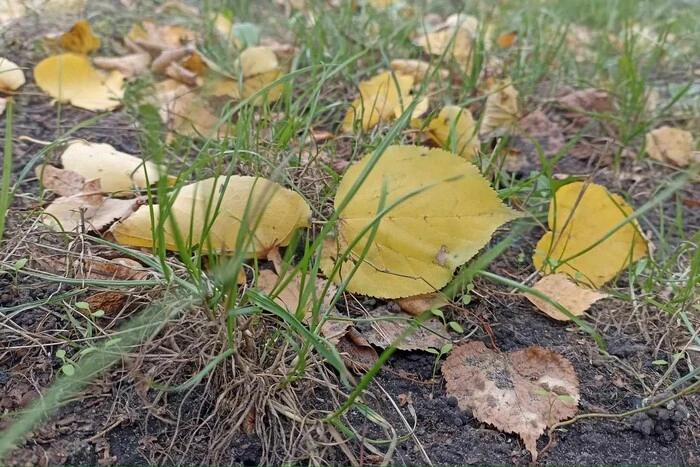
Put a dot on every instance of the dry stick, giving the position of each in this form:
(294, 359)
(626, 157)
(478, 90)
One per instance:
(692, 388)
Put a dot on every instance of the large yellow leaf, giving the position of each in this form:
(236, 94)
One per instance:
(80, 39)
(71, 78)
(116, 170)
(382, 98)
(420, 242)
(454, 127)
(578, 220)
(273, 211)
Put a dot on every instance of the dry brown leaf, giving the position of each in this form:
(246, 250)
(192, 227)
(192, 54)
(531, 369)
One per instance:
(289, 297)
(562, 289)
(11, 76)
(520, 392)
(115, 269)
(420, 303)
(671, 145)
(62, 182)
(356, 351)
(583, 101)
(390, 326)
(129, 65)
(86, 211)
(80, 39)
(109, 302)
(506, 40)
(539, 127)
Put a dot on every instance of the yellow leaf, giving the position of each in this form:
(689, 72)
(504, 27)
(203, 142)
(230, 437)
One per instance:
(506, 40)
(381, 99)
(501, 109)
(670, 145)
(257, 67)
(562, 289)
(80, 39)
(71, 78)
(381, 4)
(454, 128)
(420, 242)
(11, 76)
(273, 211)
(116, 170)
(590, 219)
(418, 69)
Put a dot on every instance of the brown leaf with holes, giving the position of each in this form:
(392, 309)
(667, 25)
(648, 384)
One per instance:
(520, 392)
(390, 326)
(420, 303)
(562, 289)
(60, 181)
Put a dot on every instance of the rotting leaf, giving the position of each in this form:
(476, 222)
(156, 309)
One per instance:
(388, 327)
(222, 206)
(80, 39)
(116, 170)
(562, 289)
(71, 78)
(453, 126)
(356, 351)
(89, 210)
(671, 145)
(501, 110)
(11, 76)
(520, 392)
(128, 65)
(579, 216)
(403, 259)
(109, 302)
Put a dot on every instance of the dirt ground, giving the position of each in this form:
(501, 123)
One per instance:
(118, 421)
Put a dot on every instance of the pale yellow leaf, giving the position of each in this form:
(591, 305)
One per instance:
(671, 145)
(71, 78)
(389, 327)
(269, 213)
(11, 76)
(80, 39)
(521, 392)
(422, 240)
(381, 99)
(578, 219)
(501, 111)
(418, 69)
(562, 289)
(86, 211)
(453, 128)
(116, 170)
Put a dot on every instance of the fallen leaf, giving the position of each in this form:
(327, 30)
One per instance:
(356, 352)
(289, 297)
(128, 65)
(62, 182)
(405, 399)
(452, 38)
(418, 69)
(3, 104)
(586, 101)
(114, 269)
(453, 128)
(259, 68)
(86, 211)
(71, 78)
(671, 145)
(418, 304)
(403, 259)
(381, 4)
(116, 170)
(506, 40)
(80, 39)
(387, 327)
(577, 224)
(382, 98)
(520, 392)
(109, 302)
(501, 110)
(539, 127)
(562, 289)
(11, 76)
(187, 113)
(275, 212)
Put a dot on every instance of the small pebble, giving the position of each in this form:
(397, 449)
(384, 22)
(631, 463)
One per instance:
(452, 401)
(458, 422)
